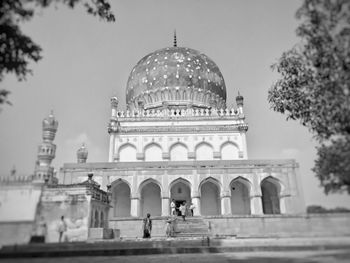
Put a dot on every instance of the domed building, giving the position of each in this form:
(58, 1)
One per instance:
(175, 77)
(177, 140)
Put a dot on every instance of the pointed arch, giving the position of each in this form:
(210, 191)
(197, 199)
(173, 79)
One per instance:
(178, 152)
(150, 194)
(271, 189)
(204, 151)
(180, 191)
(209, 190)
(121, 198)
(153, 152)
(240, 196)
(127, 153)
(229, 151)
(182, 180)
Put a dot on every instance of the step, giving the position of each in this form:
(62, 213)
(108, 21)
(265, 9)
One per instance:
(168, 246)
(191, 227)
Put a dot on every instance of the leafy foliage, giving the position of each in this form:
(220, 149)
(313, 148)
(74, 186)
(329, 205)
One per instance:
(17, 50)
(333, 165)
(317, 209)
(314, 87)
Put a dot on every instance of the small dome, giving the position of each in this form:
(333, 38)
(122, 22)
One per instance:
(175, 77)
(50, 123)
(82, 154)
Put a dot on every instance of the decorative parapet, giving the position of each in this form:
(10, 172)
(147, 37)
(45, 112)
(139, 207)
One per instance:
(177, 113)
(181, 129)
(91, 189)
(14, 179)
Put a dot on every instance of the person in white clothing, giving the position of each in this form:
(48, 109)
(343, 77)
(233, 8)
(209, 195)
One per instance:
(62, 227)
(172, 206)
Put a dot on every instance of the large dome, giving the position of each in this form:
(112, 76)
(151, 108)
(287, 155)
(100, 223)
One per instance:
(175, 77)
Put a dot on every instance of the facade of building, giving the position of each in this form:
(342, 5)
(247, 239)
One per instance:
(177, 140)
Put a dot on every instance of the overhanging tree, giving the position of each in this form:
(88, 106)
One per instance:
(314, 86)
(17, 50)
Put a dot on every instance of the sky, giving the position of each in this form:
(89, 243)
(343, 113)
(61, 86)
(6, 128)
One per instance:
(86, 61)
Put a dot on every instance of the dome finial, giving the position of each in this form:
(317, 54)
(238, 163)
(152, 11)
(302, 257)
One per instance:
(175, 41)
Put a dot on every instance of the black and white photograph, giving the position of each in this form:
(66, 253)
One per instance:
(175, 131)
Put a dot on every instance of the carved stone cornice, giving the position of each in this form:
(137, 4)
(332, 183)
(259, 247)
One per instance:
(179, 129)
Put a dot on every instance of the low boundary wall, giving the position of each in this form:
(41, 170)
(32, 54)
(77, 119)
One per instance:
(308, 225)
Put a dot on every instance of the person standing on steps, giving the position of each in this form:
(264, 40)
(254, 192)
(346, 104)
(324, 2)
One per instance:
(172, 206)
(183, 210)
(147, 226)
(169, 227)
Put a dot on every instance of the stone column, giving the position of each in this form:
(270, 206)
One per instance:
(165, 206)
(226, 204)
(135, 206)
(197, 203)
(256, 205)
(111, 147)
(283, 200)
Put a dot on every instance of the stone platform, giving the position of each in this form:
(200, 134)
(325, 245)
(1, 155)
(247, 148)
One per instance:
(174, 246)
(245, 226)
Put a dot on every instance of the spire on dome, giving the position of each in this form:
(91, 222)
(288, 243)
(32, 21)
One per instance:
(175, 40)
(239, 99)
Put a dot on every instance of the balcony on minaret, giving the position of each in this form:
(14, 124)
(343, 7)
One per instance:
(46, 152)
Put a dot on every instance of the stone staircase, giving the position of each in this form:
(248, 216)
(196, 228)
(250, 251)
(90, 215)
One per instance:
(192, 227)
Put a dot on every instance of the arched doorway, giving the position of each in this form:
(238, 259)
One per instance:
(180, 191)
(121, 200)
(270, 189)
(210, 198)
(150, 199)
(240, 197)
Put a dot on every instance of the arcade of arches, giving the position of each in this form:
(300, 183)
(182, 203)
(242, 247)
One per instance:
(209, 199)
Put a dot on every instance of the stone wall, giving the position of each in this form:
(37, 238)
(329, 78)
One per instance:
(133, 228)
(18, 201)
(18, 204)
(71, 202)
(15, 232)
(313, 225)
(282, 225)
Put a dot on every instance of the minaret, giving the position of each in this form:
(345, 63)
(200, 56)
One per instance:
(46, 152)
(113, 127)
(82, 154)
(239, 102)
(175, 40)
(243, 127)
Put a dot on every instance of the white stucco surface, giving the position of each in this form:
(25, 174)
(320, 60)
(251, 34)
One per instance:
(18, 203)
